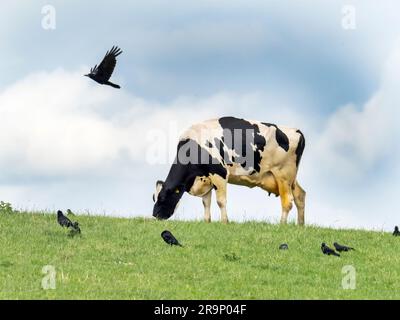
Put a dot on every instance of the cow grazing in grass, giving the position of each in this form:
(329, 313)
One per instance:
(213, 153)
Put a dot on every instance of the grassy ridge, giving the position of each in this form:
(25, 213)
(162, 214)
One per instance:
(126, 259)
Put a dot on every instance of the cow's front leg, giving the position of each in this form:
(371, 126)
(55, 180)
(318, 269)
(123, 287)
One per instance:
(207, 206)
(220, 191)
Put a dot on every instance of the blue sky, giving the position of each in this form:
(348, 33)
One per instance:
(188, 48)
(69, 143)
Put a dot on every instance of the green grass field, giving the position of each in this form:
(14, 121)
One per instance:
(117, 258)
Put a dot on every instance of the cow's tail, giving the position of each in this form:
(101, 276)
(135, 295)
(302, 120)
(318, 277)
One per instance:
(300, 147)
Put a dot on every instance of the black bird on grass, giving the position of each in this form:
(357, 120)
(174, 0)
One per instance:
(170, 239)
(396, 231)
(328, 251)
(341, 248)
(63, 220)
(102, 73)
(283, 246)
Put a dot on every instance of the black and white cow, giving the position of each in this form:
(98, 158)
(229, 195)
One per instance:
(213, 153)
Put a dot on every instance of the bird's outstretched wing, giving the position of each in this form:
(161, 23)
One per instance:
(107, 66)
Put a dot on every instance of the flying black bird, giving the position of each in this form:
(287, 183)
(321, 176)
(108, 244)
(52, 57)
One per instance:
(326, 250)
(170, 239)
(341, 248)
(103, 72)
(63, 220)
(396, 231)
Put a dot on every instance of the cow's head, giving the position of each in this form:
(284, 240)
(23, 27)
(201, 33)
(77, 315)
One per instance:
(166, 200)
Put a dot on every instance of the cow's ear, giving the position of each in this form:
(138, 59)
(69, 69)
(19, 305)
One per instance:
(159, 183)
(159, 186)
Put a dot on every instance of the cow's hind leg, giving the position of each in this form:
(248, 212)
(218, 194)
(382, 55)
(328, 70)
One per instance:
(220, 191)
(285, 192)
(299, 199)
(207, 206)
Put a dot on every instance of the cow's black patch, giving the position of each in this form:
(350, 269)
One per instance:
(191, 161)
(199, 163)
(300, 147)
(281, 138)
(244, 145)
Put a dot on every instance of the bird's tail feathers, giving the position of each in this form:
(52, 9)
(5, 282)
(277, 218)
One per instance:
(113, 85)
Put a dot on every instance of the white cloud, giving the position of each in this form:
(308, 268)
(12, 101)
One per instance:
(358, 139)
(51, 125)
